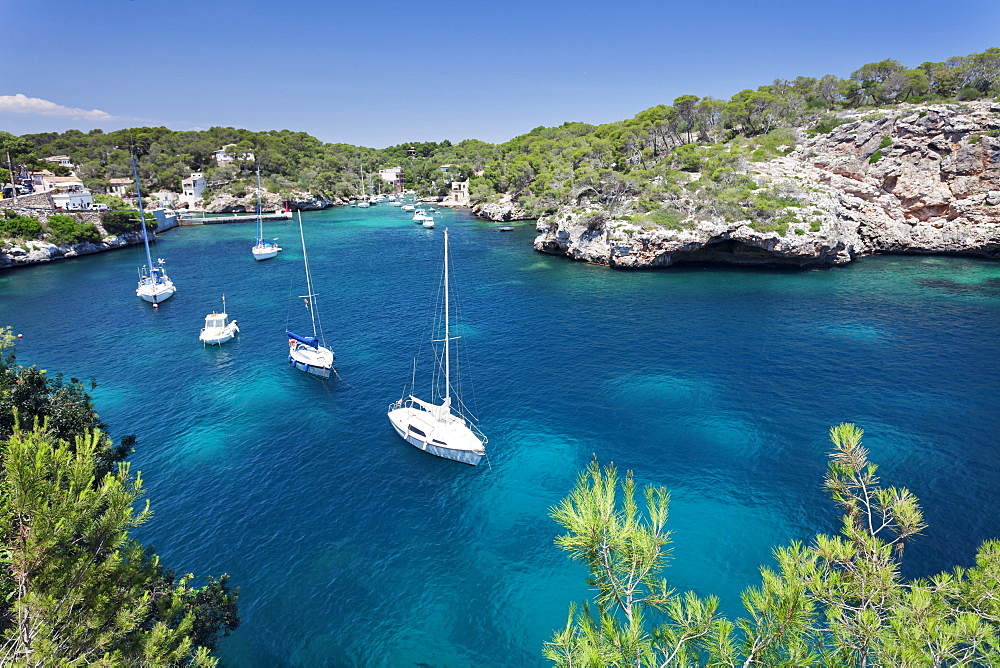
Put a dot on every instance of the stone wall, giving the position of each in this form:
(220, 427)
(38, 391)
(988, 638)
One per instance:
(34, 201)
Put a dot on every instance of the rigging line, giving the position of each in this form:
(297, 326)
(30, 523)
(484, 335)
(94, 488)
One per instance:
(288, 305)
(341, 379)
(488, 462)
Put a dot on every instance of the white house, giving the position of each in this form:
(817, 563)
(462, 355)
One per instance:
(192, 188)
(37, 177)
(67, 192)
(119, 187)
(393, 176)
(60, 160)
(224, 157)
(459, 193)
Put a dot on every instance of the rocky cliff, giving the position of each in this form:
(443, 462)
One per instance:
(907, 180)
(504, 210)
(247, 203)
(21, 253)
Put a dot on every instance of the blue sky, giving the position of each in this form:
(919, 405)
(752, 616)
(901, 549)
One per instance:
(388, 72)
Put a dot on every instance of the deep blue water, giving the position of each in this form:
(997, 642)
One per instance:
(353, 548)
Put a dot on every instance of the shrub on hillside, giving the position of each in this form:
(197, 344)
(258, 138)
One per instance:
(13, 226)
(120, 222)
(67, 230)
(113, 201)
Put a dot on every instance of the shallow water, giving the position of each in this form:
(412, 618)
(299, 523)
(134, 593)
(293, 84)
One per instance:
(353, 548)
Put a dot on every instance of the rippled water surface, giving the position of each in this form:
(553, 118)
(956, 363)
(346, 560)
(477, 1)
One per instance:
(353, 548)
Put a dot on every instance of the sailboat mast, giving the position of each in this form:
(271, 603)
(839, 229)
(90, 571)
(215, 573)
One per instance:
(142, 215)
(447, 334)
(260, 226)
(309, 287)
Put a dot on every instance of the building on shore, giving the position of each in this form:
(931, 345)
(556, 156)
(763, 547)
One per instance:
(224, 156)
(119, 187)
(393, 176)
(192, 188)
(67, 192)
(63, 160)
(459, 194)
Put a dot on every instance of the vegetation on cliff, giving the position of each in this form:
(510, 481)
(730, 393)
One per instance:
(838, 600)
(705, 148)
(75, 587)
(637, 167)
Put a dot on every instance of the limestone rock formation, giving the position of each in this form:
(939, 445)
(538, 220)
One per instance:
(933, 187)
(247, 202)
(32, 252)
(504, 210)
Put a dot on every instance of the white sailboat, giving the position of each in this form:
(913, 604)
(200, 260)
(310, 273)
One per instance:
(154, 284)
(218, 328)
(440, 429)
(309, 353)
(262, 250)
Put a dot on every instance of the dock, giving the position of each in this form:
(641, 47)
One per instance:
(234, 218)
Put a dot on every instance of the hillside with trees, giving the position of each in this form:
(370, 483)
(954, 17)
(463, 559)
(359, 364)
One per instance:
(837, 600)
(633, 166)
(75, 587)
(289, 161)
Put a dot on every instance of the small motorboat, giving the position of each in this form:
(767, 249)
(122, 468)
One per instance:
(218, 329)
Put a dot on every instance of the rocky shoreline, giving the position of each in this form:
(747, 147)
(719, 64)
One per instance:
(36, 252)
(934, 188)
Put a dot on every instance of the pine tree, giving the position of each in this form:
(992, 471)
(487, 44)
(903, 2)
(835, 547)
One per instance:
(841, 600)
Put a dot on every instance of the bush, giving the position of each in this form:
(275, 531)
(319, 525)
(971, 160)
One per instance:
(686, 158)
(875, 157)
(120, 222)
(669, 218)
(14, 226)
(113, 201)
(814, 226)
(886, 143)
(67, 230)
(826, 124)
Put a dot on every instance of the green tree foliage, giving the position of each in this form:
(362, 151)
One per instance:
(126, 220)
(76, 588)
(113, 201)
(65, 229)
(841, 600)
(14, 226)
(614, 163)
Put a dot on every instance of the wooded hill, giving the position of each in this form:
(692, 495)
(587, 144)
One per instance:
(641, 159)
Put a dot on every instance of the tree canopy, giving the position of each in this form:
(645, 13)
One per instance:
(76, 588)
(837, 600)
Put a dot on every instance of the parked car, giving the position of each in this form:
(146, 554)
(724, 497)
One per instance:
(99, 206)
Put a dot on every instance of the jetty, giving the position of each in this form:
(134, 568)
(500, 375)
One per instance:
(233, 218)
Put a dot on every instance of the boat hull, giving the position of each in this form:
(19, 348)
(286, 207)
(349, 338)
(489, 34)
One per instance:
(156, 294)
(264, 254)
(217, 336)
(315, 361)
(402, 421)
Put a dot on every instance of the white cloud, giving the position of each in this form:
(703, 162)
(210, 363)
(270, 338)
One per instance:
(22, 104)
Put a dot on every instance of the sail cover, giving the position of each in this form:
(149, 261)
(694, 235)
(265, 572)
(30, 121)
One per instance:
(311, 341)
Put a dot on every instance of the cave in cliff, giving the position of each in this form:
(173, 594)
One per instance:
(729, 251)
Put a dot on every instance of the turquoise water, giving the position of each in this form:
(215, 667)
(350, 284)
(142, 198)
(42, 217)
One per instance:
(353, 548)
